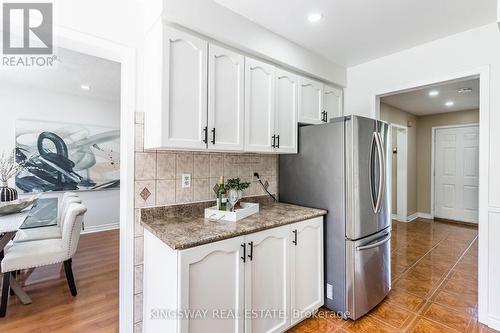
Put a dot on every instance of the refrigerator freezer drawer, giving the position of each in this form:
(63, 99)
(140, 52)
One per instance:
(368, 272)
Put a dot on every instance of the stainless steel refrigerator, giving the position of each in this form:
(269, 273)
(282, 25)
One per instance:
(343, 166)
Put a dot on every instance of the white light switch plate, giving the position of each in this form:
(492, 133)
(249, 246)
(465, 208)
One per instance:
(186, 180)
(329, 291)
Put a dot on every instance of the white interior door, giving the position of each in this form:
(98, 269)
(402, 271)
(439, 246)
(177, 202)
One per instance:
(286, 112)
(185, 90)
(267, 280)
(457, 173)
(226, 77)
(259, 106)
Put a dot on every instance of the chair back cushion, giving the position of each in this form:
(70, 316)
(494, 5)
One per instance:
(67, 195)
(72, 226)
(64, 207)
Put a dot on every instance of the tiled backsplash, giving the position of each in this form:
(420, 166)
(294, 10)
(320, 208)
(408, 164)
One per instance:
(158, 183)
(158, 175)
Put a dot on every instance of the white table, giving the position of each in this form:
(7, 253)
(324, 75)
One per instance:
(9, 226)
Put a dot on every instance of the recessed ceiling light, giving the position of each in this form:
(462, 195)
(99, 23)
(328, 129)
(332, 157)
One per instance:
(314, 17)
(449, 103)
(464, 90)
(433, 93)
(85, 87)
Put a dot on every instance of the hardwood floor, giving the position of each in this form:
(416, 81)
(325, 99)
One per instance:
(434, 275)
(54, 310)
(434, 268)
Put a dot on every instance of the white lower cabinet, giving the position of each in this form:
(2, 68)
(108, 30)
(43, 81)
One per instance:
(212, 279)
(306, 268)
(261, 283)
(267, 281)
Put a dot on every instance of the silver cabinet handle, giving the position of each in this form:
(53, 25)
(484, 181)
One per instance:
(376, 244)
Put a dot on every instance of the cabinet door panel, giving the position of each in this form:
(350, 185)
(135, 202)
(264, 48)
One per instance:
(306, 268)
(185, 90)
(267, 281)
(310, 101)
(332, 101)
(286, 111)
(225, 99)
(212, 279)
(259, 106)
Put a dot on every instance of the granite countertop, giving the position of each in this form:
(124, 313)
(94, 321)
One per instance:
(184, 226)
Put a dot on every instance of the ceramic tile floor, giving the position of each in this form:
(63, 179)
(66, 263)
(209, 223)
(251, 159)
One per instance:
(434, 279)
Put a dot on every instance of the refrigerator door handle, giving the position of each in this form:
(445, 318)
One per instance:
(373, 245)
(370, 174)
(381, 161)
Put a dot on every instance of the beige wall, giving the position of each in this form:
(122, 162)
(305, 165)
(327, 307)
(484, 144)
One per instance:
(424, 149)
(397, 116)
(420, 150)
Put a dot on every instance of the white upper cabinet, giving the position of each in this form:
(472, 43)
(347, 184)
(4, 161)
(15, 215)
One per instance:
(205, 97)
(177, 118)
(286, 112)
(185, 90)
(310, 101)
(332, 102)
(226, 91)
(259, 106)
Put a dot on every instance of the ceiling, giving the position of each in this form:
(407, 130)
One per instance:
(355, 31)
(419, 103)
(71, 71)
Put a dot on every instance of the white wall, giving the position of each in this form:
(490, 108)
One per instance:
(464, 52)
(215, 21)
(23, 102)
(498, 13)
(119, 21)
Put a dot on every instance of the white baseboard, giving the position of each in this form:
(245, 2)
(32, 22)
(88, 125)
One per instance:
(412, 217)
(494, 322)
(398, 218)
(405, 219)
(425, 216)
(102, 227)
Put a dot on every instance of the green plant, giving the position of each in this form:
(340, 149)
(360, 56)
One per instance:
(237, 184)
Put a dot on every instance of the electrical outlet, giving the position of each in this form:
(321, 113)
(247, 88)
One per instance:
(186, 180)
(329, 291)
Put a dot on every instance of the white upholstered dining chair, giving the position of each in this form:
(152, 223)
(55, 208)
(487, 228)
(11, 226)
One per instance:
(50, 232)
(25, 255)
